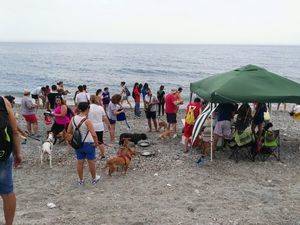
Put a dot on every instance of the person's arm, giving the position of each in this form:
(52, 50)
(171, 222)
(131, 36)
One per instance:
(116, 111)
(16, 140)
(91, 129)
(154, 100)
(69, 131)
(47, 103)
(63, 111)
(76, 99)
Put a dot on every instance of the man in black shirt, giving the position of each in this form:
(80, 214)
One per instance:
(51, 97)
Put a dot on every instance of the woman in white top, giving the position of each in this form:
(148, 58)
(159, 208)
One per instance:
(81, 96)
(89, 137)
(125, 94)
(97, 115)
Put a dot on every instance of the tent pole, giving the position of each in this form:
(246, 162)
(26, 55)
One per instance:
(211, 135)
(191, 97)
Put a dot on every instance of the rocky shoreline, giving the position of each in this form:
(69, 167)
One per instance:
(168, 188)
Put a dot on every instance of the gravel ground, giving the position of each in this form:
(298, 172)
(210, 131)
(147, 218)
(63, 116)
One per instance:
(168, 188)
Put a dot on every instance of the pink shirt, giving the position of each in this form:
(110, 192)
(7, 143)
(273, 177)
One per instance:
(61, 120)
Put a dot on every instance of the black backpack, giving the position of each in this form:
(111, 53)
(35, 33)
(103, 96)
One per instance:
(77, 141)
(6, 137)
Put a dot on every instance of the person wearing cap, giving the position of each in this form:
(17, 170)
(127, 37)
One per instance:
(171, 108)
(28, 109)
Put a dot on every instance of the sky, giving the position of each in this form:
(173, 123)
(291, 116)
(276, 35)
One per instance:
(152, 21)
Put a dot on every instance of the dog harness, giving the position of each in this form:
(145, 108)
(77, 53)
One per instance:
(124, 156)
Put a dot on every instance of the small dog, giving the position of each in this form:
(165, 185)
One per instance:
(122, 159)
(166, 134)
(47, 148)
(135, 137)
(162, 124)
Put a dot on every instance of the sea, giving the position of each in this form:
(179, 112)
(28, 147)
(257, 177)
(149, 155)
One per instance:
(99, 65)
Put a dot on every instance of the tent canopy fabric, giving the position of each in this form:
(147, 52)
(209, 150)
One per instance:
(247, 84)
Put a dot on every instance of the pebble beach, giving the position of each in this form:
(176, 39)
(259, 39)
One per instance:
(167, 188)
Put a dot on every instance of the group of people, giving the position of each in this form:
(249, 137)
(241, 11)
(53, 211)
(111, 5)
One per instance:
(93, 112)
(223, 117)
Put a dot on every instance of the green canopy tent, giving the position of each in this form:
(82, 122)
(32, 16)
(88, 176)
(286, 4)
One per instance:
(246, 84)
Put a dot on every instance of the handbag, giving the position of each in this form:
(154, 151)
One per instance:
(122, 117)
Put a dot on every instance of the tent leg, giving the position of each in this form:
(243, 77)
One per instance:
(211, 136)
(191, 97)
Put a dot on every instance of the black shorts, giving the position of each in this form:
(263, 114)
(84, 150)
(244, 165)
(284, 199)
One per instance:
(151, 115)
(171, 118)
(57, 128)
(112, 121)
(35, 97)
(100, 137)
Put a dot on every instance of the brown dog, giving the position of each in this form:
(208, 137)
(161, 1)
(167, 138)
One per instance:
(162, 124)
(122, 159)
(166, 134)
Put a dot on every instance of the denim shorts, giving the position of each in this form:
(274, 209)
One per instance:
(223, 129)
(6, 179)
(87, 151)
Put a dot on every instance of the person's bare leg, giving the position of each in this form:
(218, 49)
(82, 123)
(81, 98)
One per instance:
(260, 131)
(28, 125)
(80, 169)
(284, 106)
(92, 168)
(102, 150)
(186, 142)
(253, 128)
(215, 142)
(155, 124)
(112, 130)
(35, 127)
(149, 125)
(9, 207)
(129, 103)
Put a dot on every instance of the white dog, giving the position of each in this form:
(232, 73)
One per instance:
(47, 148)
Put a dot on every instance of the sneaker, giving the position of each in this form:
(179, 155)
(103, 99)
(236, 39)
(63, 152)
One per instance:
(81, 182)
(24, 142)
(95, 181)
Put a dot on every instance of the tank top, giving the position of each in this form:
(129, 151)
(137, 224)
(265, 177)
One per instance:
(83, 129)
(61, 120)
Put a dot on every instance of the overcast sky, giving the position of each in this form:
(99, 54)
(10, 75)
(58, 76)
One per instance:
(152, 21)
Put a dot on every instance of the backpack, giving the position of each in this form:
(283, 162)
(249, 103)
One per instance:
(77, 141)
(6, 137)
(190, 116)
(127, 92)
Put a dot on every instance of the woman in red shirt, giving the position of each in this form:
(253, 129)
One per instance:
(136, 94)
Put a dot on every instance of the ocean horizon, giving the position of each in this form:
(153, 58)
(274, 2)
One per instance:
(98, 65)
